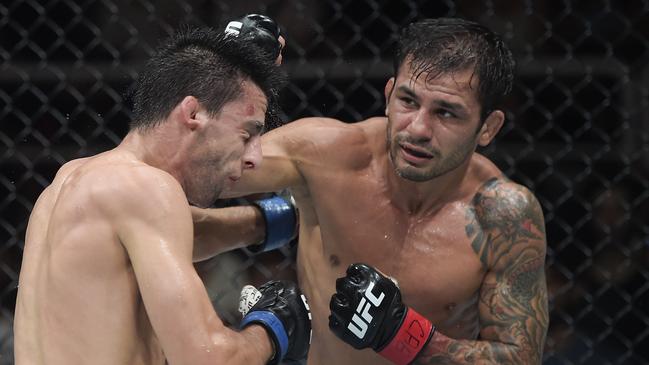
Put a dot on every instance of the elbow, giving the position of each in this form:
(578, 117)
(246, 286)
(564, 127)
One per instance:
(528, 355)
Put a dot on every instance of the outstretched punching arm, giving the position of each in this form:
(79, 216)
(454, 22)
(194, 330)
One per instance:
(507, 232)
(284, 150)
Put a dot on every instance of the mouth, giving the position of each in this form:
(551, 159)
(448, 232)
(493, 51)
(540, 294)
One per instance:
(234, 178)
(414, 154)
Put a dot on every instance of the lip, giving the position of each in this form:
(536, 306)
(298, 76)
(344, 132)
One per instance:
(234, 178)
(415, 160)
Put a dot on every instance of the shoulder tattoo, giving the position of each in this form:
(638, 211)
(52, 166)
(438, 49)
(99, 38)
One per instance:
(502, 215)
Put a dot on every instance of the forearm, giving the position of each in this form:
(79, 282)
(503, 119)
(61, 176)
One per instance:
(257, 347)
(225, 229)
(251, 345)
(445, 350)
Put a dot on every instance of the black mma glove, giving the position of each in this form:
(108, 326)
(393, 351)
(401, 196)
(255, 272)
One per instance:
(283, 311)
(366, 311)
(260, 29)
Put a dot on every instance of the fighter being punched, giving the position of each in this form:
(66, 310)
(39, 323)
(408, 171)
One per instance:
(107, 274)
(408, 195)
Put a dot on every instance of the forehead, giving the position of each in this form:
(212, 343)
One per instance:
(463, 83)
(251, 103)
(253, 95)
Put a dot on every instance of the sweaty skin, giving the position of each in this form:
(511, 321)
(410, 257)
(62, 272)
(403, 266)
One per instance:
(467, 247)
(107, 274)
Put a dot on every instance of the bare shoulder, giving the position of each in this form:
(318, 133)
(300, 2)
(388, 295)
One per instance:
(506, 217)
(134, 189)
(501, 201)
(65, 170)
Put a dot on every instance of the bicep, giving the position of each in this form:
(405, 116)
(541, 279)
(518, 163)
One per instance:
(513, 303)
(278, 169)
(513, 297)
(174, 297)
(157, 234)
(285, 150)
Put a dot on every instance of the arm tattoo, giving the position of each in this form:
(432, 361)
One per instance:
(506, 230)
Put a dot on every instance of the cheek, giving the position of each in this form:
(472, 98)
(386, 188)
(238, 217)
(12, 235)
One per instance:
(459, 143)
(396, 123)
(235, 151)
(400, 121)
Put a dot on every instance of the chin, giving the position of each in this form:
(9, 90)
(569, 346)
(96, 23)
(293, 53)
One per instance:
(204, 201)
(413, 175)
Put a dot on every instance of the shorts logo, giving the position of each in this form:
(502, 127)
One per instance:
(359, 324)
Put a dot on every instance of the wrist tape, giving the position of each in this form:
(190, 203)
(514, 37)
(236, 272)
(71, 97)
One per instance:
(274, 326)
(281, 222)
(413, 335)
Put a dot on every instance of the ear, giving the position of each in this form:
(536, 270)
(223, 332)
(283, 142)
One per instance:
(389, 86)
(490, 127)
(188, 112)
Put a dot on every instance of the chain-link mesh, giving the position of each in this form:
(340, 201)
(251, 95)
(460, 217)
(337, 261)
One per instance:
(576, 132)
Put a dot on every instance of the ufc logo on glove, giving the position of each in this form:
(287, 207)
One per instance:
(358, 325)
(367, 311)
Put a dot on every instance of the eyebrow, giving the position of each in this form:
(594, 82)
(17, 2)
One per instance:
(442, 103)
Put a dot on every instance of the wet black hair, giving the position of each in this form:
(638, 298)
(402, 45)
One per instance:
(204, 63)
(445, 45)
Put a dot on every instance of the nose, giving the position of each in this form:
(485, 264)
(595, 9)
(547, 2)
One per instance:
(420, 126)
(252, 156)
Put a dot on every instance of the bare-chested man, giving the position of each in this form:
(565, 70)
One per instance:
(107, 274)
(408, 195)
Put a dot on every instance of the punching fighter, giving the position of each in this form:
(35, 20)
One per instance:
(107, 274)
(413, 248)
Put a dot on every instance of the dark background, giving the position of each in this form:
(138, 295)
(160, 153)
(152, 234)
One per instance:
(576, 132)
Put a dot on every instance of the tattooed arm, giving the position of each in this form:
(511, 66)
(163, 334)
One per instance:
(508, 234)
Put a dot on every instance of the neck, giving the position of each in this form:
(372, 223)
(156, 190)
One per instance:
(152, 147)
(425, 196)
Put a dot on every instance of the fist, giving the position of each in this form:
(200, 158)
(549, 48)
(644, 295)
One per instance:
(367, 311)
(259, 29)
(283, 310)
(366, 308)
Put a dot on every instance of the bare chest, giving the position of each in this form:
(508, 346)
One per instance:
(429, 254)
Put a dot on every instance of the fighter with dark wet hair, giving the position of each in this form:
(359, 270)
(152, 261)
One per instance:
(405, 199)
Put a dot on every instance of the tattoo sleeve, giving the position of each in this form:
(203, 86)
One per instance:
(507, 231)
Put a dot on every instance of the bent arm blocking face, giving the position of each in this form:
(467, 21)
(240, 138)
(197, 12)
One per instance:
(153, 222)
